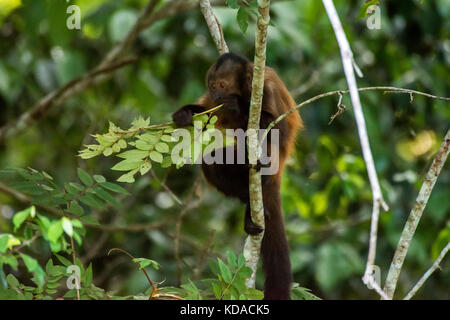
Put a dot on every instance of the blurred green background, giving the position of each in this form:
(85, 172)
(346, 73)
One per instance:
(326, 193)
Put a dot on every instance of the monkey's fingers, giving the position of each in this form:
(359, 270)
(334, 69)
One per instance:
(182, 118)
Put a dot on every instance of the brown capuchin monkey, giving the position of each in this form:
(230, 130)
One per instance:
(229, 82)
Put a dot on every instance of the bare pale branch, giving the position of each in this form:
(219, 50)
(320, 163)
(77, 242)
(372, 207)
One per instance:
(415, 215)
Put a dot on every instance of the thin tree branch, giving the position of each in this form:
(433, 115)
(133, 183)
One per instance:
(375, 286)
(312, 80)
(341, 92)
(427, 274)
(252, 245)
(176, 241)
(415, 215)
(348, 64)
(168, 190)
(214, 27)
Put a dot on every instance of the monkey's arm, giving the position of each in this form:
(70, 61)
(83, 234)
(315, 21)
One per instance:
(183, 117)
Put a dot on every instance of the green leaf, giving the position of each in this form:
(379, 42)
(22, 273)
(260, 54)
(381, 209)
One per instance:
(232, 4)
(9, 260)
(224, 271)
(253, 294)
(20, 217)
(67, 226)
(89, 220)
(4, 242)
(75, 208)
(102, 194)
(99, 178)
(151, 139)
(167, 138)
(143, 145)
(107, 152)
(231, 258)
(146, 166)
(114, 188)
(122, 143)
(156, 156)
(167, 162)
(84, 177)
(63, 260)
(143, 262)
(241, 260)
(217, 289)
(12, 281)
(12, 241)
(162, 147)
(127, 177)
(133, 154)
(92, 201)
(126, 165)
(336, 262)
(55, 231)
(245, 272)
(76, 223)
(300, 293)
(88, 276)
(30, 262)
(363, 11)
(242, 19)
(71, 189)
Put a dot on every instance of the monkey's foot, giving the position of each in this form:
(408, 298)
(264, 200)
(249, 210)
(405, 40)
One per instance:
(258, 165)
(252, 228)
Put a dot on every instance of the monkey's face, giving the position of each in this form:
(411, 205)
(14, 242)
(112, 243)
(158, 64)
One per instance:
(224, 81)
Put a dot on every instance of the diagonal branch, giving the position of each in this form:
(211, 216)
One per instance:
(415, 215)
(214, 26)
(427, 274)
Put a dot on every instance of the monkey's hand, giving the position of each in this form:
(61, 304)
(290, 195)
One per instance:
(183, 117)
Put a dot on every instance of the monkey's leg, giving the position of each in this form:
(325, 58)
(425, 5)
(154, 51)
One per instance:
(230, 179)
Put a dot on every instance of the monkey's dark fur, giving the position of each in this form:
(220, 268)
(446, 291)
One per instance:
(229, 82)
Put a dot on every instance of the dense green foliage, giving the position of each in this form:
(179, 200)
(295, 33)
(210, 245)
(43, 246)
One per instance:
(326, 193)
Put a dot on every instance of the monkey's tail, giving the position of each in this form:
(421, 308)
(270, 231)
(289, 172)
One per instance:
(275, 251)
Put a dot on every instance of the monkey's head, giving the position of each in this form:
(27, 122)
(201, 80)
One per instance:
(228, 77)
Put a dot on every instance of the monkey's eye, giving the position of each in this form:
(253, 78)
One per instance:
(213, 85)
(222, 84)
